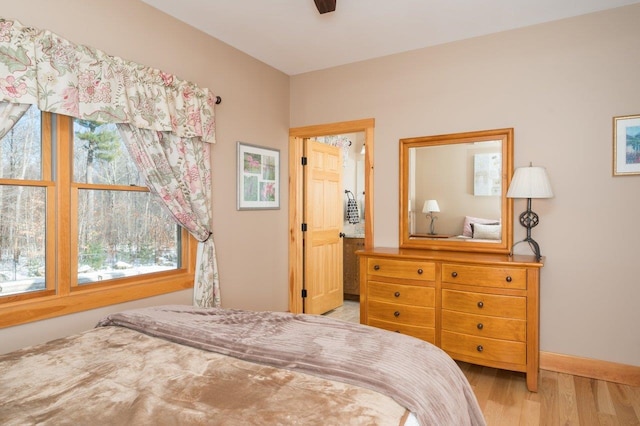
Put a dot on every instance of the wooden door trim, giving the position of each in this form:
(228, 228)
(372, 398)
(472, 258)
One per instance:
(296, 184)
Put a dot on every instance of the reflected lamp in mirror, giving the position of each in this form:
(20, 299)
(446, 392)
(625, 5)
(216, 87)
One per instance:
(430, 207)
(530, 182)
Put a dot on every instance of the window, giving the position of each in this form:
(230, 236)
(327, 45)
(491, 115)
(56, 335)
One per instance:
(78, 227)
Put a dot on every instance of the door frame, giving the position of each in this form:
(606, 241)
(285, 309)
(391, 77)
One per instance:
(297, 136)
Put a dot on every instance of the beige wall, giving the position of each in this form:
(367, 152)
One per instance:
(558, 85)
(252, 246)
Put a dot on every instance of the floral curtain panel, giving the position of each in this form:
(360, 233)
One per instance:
(10, 114)
(178, 170)
(38, 67)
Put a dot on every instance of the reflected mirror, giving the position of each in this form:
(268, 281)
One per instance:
(453, 191)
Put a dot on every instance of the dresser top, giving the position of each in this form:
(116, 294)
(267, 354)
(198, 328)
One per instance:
(454, 256)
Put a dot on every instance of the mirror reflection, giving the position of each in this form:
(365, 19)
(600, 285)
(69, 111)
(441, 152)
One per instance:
(454, 191)
(450, 182)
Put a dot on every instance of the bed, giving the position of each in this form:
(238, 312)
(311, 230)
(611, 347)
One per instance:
(185, 365)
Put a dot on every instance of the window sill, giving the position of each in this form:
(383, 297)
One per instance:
(25, 311)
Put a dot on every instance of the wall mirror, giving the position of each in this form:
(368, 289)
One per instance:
(453, 191)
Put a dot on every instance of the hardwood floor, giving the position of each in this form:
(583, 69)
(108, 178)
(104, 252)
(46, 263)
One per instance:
(562, 399)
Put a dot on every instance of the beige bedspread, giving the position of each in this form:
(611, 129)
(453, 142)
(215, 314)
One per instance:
(117, 376)
(416, 374)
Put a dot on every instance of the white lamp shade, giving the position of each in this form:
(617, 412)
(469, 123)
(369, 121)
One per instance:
(430, 206)
(530, 182)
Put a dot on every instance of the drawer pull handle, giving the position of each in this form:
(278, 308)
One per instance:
(480, 326)
(480, 304)
(420, 271)
(480, 348)
(376, 267)
(509, 278)
(396, 294)
(454, 274)
(396, 314)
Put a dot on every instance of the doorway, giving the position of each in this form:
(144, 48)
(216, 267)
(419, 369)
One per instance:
(297, 137)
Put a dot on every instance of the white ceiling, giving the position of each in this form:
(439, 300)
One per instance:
(291, 36)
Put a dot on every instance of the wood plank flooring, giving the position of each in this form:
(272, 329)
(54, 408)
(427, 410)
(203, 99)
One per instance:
(562, 399)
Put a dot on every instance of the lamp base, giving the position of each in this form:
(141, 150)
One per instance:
(529, 219)
(532, 243)
(432, 228)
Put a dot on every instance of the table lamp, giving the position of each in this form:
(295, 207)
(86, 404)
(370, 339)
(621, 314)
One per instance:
(530, 182)
(430, 207)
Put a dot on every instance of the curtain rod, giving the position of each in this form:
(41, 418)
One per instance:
(218, 100)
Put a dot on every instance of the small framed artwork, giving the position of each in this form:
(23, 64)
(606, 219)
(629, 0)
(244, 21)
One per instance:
(258, 177)
(626, 145)
(487, 174)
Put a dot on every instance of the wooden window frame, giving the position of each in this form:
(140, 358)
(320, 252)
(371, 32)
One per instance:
(62, 296)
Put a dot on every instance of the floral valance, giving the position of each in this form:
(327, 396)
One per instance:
(39, 67)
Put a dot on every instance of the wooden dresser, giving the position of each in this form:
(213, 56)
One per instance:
(350, 267)
(479, 308)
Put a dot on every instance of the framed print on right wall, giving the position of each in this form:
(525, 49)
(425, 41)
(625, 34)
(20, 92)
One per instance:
(626, 145)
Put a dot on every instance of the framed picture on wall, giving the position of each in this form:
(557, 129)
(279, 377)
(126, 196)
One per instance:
(487, 174)
(626, 145)
(258, 177)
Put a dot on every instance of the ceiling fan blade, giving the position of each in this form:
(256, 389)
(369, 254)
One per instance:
(325, 6)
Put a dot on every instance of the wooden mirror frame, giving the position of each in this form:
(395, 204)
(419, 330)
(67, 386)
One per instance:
(408, 241)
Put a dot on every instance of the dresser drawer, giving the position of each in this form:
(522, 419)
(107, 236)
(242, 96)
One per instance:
(485, 304)
(401, 314)
(482, 348)
(403, 294)
(485, 326)
(407, 269)
(485, 276)
(424, 333)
